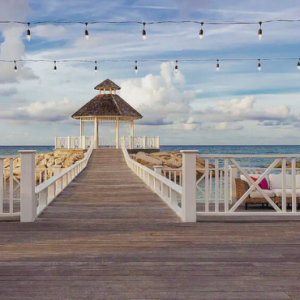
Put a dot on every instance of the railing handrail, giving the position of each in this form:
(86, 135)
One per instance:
(250, 156)
(9, 156)
(53, 179)
(164, 180)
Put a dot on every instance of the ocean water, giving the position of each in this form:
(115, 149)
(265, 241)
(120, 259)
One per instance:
(249, 162)
(246, 162)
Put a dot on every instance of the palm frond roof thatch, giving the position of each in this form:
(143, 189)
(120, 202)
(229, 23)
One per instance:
(107, 84)
(107, 105)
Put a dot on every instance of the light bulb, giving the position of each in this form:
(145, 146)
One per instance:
(176, 67)
(136, 70)
(201, 32)
(260, 31)
(144, 31)
(298, 66)
(259, 65)
(28, 35)
(55, 68)
(96, 68)
(86, 33)
(218, 66)
(16, 68)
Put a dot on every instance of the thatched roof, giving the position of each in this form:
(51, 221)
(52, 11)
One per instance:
(107, 105)
(107, 84)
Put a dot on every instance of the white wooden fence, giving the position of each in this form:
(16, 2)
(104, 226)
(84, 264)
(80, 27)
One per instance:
(216, 188)
(84, 142)
(23, 198)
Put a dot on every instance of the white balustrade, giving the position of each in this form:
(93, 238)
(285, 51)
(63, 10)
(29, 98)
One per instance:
(179, 199)
(84, 142)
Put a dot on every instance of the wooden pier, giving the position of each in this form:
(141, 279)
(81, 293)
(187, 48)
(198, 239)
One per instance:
(108, 236)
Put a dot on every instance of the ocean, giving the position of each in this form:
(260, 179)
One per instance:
(250, 162)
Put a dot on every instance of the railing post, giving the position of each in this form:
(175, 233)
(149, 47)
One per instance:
(56, 171)
(69, 142)
(157, 142)
(233, 175)
(144, 142)
(83, 146)
(157, 185)
(27, 188)
(55, 142)
(188, 201)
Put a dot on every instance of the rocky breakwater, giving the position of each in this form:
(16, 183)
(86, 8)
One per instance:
(43, 164)
(168, 160)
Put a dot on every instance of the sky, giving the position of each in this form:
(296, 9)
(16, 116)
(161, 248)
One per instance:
(197, 106)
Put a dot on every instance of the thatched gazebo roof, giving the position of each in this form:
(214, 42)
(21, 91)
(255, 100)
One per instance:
(107, 105)
(107, 84)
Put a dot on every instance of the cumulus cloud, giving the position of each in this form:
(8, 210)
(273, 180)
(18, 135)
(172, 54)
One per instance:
(12, 47)
(158, 99)
(41, 111)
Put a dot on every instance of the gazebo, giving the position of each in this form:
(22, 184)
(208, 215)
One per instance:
(107, 107)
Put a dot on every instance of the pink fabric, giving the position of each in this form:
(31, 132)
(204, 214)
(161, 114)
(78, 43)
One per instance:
(263, 184)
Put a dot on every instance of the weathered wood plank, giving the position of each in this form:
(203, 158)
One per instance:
(108, 236)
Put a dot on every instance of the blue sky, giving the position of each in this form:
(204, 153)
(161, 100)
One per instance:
(237, 105)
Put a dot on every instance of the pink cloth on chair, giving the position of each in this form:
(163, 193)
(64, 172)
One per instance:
(263, 184)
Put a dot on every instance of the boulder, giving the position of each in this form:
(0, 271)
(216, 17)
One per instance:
(59, 161)
(145, 159)
(51, 162)
(68, 162)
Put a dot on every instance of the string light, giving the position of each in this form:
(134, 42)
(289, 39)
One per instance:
(144, 31)
(260, 31)
(201, 31)
(176, 66)
(55, 68)
(28, 32)
(16, 68)
(86, 31)
(152, 61)
(136, 68)
(96, 68)
(259, 65)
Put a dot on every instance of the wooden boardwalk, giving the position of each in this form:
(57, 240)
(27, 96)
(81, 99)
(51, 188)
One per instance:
(107, 236)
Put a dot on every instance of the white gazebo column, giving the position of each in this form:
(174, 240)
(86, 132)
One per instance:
(96, 134)
(82, 137)
(131, 128)
(117, 133)
(81, 128)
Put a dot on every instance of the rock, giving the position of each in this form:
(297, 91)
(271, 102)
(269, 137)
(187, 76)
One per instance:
(145, 159)
(50, 162)
(174, 163)
(42, 163)
(59, 161)
(68, 162)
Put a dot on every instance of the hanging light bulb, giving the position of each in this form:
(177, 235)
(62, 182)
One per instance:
(86, 31)
(136, 68)
(96, 68)
(176, 67)
(218, 65)
(201, 31)
(16, 68)
(55, 68)
(28, 32)
(144, 31)
(298, 65)
(259, 65)
(260, 31)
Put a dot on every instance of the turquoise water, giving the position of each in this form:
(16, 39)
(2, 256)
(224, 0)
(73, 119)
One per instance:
(247, 162)
(250, 162)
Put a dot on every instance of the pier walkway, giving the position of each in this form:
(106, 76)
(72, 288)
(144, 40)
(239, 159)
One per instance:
(107, 236)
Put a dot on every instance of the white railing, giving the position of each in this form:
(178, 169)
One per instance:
(143, 142)
(84, 142)
(9, 188)
(73, 142)
(107, 142)
(168, 191)
(46, 192)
